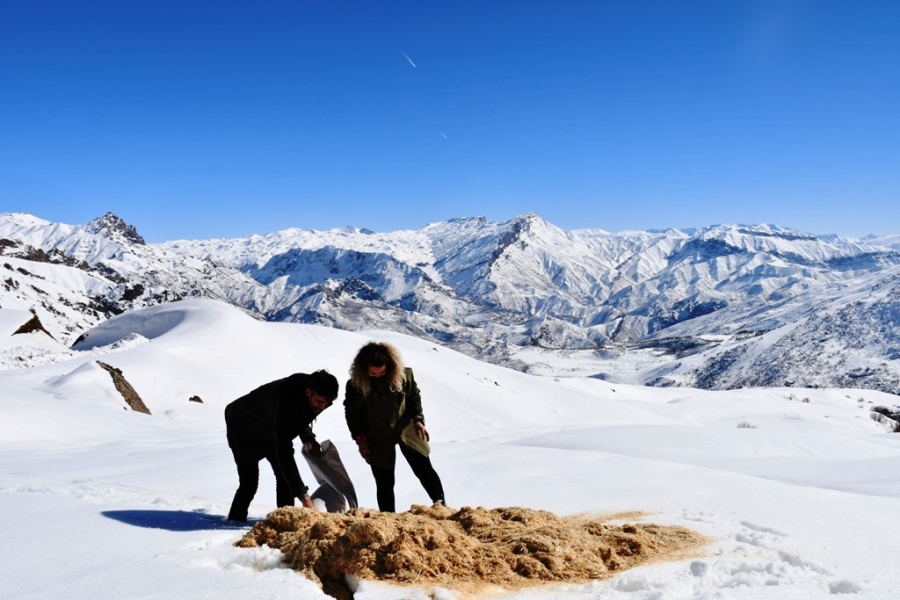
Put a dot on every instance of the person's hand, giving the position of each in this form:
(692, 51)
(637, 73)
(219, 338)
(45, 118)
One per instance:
(313, 448)
(422, 432)
(307, 502)
(363, 445)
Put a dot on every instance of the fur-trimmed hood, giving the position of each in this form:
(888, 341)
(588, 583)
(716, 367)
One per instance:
(359, 370)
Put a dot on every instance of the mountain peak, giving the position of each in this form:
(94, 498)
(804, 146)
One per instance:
(527, 219)
(113, 224)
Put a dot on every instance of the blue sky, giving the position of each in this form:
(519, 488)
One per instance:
(219, 119)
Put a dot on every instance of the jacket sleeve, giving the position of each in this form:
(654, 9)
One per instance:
(354, 410)
(285, 429)
(288, 466)
(413, 398)
(307, 435)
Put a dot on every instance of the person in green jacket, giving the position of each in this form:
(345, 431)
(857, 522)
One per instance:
(383, 408)
(263, 425)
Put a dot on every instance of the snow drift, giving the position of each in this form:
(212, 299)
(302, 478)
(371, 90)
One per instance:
(797, 505)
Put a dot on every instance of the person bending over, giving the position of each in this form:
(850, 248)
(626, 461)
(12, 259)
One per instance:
(263, 425)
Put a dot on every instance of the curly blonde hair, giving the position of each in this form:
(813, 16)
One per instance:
(377, 354)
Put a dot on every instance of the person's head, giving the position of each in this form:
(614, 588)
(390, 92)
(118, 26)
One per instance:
(321, 390)
(377, 362)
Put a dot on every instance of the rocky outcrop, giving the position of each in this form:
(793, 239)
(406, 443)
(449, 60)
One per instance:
(887, 417)
(33, 324)
(115, 227)
(130, 396)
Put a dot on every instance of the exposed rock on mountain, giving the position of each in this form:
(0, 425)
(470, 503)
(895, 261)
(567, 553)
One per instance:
(131, 397)
(849, 343)
(32, 325)
(114, 228)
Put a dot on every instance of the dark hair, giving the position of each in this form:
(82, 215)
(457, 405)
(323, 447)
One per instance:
(323, 383)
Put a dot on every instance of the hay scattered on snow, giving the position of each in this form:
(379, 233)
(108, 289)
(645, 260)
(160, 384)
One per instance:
(465, 549)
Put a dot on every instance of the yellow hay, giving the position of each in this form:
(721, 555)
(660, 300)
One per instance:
(464, 549)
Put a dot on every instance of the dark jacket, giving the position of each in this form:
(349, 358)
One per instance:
(386, 417)
(273, 415)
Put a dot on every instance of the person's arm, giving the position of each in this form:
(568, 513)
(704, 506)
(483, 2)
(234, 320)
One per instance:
(413, 398)
(310, 444)
(414, 405)
(307, 435)
(285, 431)
(290, 472)
(354, 413)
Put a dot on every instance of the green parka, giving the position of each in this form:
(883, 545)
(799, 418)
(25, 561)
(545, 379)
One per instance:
(386, 417)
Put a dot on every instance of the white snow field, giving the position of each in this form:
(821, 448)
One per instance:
(798, 488)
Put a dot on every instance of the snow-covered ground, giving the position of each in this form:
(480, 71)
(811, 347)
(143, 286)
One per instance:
(799, 489)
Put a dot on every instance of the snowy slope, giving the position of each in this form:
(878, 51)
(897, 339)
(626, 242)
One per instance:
(67, 300)
(797, 491)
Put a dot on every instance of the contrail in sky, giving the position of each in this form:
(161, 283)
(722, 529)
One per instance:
(410, 60)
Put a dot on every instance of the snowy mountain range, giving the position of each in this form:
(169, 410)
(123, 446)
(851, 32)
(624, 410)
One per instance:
(716, 307)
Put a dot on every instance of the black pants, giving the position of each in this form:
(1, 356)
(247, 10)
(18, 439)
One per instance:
(421, 468)
(247, 461)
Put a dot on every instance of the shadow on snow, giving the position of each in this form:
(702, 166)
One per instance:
(172, 520)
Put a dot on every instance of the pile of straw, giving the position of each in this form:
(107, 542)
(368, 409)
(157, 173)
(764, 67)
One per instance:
(463, 549)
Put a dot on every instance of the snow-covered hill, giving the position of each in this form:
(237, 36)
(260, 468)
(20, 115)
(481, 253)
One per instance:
(796, 491)
(716, 307)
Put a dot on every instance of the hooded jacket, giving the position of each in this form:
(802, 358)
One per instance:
(386, 416)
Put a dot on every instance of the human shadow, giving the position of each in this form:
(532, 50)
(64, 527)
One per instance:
(173, 520)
